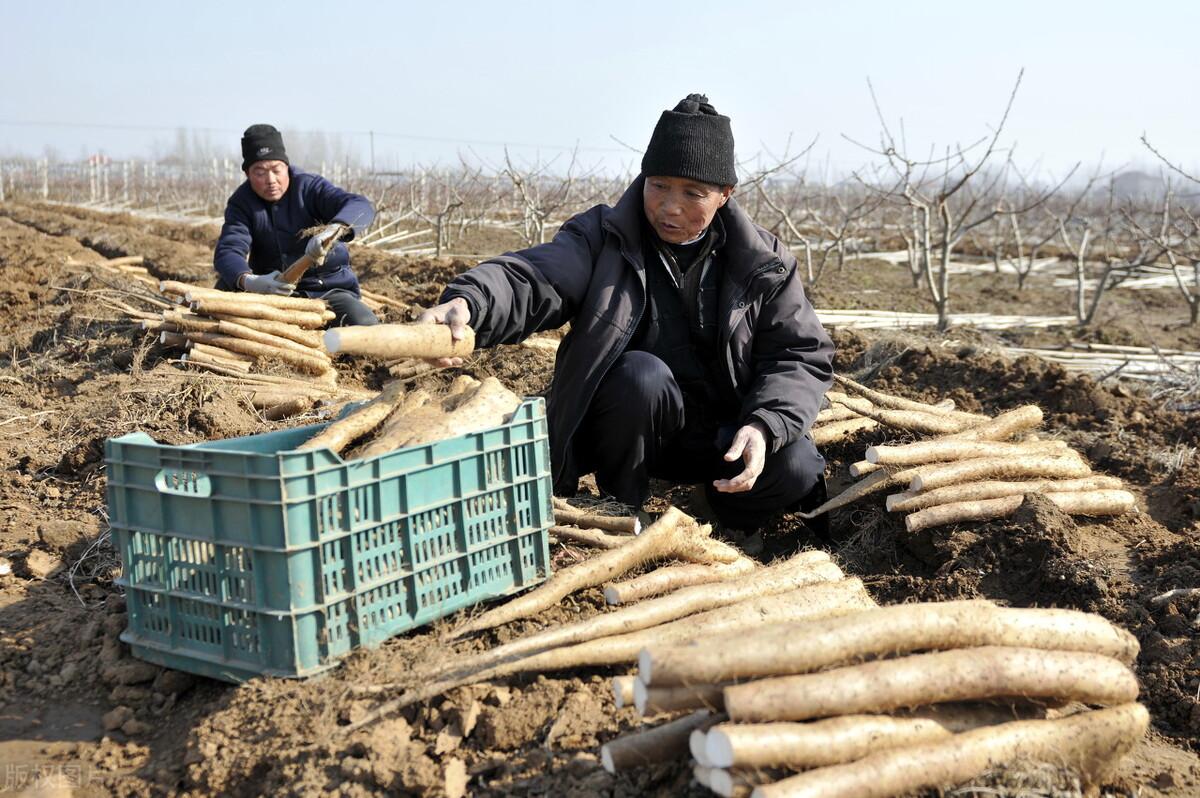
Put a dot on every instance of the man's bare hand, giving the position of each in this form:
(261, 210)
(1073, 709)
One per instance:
(456, 315)
(749, 444)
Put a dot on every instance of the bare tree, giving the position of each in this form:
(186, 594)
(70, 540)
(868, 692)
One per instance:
(1177, 239)
(949, 196)
(541, 196)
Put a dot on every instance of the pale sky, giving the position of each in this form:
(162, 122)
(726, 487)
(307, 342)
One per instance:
(434, 79)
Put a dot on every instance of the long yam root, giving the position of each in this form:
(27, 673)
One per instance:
(912, 420)
(943, 451)
(340, 434)
(911, 501)
(659, 541)
(1002, 427)
(673, 577)
(840, 430)
(660, 744)
(963, 675)
(566, 514)
(595, 538)
(1091, 503)
(1068, 465)
(1090, 743)
(900, 403)
(795, 572)
(898, 629)
(655, 700)
(815, 601)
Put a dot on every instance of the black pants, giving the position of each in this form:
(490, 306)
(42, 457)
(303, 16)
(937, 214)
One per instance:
(350, 310)
(636, 428)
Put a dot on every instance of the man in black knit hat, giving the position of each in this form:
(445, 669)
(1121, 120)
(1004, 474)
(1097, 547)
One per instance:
(693, 354)
(264, 218)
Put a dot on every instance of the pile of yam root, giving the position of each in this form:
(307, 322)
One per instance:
(244, 336)
(396, 418)
(788, 679)
(974, 467)
(889, 700)
(251, 337)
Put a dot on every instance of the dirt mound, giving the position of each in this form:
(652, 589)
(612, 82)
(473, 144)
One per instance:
(166, 259)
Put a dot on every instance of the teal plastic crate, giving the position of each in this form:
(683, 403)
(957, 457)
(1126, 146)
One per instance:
(246, 557)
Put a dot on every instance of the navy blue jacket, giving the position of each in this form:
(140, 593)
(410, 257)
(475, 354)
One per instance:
(260, 236)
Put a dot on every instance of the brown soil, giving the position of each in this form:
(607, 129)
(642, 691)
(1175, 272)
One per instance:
(74, 703)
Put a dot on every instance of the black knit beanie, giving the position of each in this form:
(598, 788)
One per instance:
(692, 141)
(262, 143)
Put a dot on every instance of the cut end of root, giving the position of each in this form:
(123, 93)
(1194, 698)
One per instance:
(916, 486)
(612, 595)
(717, 749)
(645, 663)
(721, 782)
(872, 455)
(618, 693)
(641, 697)
(698, 747)
(333, 341)
(606, 760)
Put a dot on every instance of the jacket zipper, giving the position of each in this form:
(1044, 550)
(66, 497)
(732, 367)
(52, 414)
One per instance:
(727, 334)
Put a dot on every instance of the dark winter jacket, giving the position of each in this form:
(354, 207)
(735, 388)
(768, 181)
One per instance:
(772, 348)
(260, 236)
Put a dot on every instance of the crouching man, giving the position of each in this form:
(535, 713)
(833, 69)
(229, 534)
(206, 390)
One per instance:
(262, 236)
(693, 355)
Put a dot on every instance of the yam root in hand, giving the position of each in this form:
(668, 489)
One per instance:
(392, 341)
(897, 629)
(1090, 743)
(962, 675)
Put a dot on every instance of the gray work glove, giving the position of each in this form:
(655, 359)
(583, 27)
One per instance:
(320, 244)
(266, 284)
